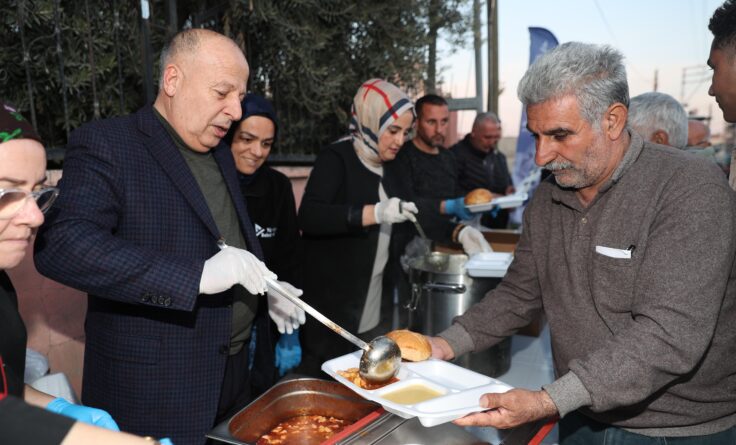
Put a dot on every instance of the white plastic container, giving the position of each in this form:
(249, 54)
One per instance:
(489, 264)
(461, 388)
(504, 202)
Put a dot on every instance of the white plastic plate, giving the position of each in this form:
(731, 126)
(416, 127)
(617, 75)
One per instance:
(489, 264)
(504, 202)
(462, 388)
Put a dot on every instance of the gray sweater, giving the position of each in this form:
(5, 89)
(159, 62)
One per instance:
(646, 343)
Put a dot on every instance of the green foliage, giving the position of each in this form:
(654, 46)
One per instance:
(311, 56)
(75, 27)
(308, 56)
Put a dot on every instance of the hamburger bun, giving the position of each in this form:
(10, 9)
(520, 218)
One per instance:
(414, 347)
(478, 196)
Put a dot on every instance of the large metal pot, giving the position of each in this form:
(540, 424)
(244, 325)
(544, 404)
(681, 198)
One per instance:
(442, 290)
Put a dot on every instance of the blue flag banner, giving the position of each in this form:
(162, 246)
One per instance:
(541, 41)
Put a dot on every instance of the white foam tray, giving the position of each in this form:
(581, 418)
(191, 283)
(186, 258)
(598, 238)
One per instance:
(462, 388)
(504, 202)
(489, 264)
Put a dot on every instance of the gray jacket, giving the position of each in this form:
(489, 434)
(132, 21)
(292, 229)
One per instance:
(646, 343)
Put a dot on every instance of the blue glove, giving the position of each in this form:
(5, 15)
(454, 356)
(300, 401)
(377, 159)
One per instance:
(457, 208)
(93, 416)
(165, 441)
(288, 352)
(494, 211)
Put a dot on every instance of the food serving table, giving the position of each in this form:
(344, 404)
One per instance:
(370, 423)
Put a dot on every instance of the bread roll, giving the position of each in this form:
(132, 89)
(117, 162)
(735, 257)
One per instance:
(414, 347)
(478, 196)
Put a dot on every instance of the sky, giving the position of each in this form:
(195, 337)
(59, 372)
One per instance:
(668, 36)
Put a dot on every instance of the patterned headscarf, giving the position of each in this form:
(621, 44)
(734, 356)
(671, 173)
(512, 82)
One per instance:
(14, 126)
(375, 107)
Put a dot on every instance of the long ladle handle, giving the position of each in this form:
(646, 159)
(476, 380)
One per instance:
(276, 287)
(419, 228)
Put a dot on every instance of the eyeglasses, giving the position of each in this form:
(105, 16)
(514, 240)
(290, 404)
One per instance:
(12, 201)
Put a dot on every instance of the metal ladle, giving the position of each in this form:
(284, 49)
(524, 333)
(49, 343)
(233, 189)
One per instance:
(381, 357)
(419, 228)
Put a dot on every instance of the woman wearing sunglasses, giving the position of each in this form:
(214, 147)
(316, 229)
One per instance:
(23, 201)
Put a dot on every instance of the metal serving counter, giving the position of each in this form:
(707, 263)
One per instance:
(370, 424)
(393, 430)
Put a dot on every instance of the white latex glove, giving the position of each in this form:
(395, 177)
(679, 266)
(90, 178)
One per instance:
(473, 241)
(231, 266)
(283, 312)
(395, 211)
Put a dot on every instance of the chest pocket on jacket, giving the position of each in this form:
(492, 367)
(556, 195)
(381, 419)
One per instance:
(612, 285)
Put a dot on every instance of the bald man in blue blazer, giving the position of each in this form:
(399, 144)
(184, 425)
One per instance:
(150, 223)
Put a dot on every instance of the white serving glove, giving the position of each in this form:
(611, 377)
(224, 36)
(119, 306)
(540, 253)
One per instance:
(473, 241)
(231, 266)
(395, 211)
(283, 312)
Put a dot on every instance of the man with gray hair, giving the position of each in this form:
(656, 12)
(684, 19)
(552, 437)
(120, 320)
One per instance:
(481, 165)
(618, 251)
(698, 134)
(698, 141)
(659, 118)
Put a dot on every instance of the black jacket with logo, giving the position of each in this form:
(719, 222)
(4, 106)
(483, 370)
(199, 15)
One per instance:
(272, 209)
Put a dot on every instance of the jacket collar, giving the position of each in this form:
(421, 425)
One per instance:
(163, 149)
(224, 158)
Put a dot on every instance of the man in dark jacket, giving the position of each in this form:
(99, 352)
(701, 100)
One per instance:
(152, 225)
(481, 165)
(430, 168)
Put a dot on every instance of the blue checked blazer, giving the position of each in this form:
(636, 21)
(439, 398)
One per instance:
(132, 229)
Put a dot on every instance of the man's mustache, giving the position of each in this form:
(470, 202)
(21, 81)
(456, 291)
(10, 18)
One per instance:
(558, 165)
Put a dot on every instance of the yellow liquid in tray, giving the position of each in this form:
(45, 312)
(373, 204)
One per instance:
(412, 394)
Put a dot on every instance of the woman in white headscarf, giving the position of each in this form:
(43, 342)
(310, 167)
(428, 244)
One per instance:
(355, 219)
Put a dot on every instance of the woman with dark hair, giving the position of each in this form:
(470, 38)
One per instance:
(271, 207)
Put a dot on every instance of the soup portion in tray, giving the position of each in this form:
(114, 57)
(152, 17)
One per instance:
(434, 390)
(414, 393)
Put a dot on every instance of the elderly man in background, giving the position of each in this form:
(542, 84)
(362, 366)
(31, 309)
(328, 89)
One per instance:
(698, 134)
(722, 60)
(659, 118)
(618, 250)
(480, 164)
(151, 223)
(698, 141)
